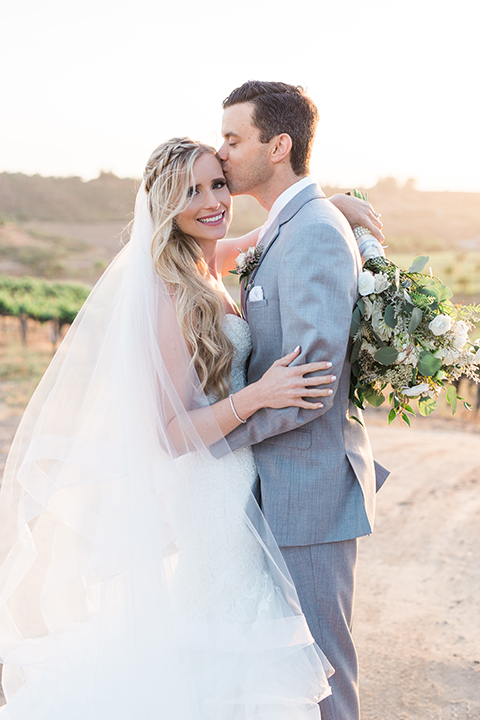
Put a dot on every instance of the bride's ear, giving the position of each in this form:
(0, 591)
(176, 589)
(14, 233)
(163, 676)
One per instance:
(280, 148)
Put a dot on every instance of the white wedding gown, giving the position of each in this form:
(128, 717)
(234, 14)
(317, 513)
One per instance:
(221, 565)
(136, 584)
(223, 571)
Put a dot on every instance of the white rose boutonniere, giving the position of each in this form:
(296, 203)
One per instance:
(247, 261)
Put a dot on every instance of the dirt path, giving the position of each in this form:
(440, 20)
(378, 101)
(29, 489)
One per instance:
(417, 621)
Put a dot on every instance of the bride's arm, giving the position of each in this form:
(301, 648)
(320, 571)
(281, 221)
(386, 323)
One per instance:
(229, 248)
(359, 213)
(281, 386)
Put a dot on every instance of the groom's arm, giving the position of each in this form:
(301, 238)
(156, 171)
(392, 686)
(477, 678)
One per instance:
(317, 290)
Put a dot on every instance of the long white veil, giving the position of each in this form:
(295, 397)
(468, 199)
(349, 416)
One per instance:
(92, 508)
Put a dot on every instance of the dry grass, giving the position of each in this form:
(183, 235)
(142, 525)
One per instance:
(21, 367)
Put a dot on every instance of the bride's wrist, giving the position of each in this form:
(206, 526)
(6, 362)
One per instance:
(368, 245)
(247, 401)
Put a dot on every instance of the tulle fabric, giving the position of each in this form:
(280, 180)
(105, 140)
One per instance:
(91, 513)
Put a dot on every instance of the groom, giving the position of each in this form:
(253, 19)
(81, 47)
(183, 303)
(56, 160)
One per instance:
(317, 474)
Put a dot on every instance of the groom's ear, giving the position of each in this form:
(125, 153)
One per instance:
(280, 147)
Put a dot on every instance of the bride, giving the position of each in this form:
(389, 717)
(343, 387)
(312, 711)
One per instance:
(138, 576)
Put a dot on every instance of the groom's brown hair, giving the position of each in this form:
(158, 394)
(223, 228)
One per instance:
(281, 108)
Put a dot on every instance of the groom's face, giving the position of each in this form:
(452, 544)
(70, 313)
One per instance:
(245, 159)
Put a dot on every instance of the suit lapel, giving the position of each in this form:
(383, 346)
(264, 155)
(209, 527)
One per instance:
(312, 192)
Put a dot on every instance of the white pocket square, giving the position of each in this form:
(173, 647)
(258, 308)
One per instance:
(256, 293)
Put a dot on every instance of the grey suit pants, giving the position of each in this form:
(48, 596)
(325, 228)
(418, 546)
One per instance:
(324, 576)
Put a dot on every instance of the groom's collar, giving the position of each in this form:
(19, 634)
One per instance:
(282, 201)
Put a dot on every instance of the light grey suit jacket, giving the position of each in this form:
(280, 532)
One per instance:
(317, 474)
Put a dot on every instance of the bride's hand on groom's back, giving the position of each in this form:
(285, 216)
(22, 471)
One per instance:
(284, 385)
(359, 213)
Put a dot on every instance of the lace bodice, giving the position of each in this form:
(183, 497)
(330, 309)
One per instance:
(239, 333)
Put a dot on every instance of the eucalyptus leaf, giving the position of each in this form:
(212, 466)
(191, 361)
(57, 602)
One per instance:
(389, 316)
(361, 306)
(431, 291)
(452, 398)
(415, 320)
(386, 355)
(418, 263)
(374, 397)
(426, 406)
(428, 364)
(445, 293)
(423, 280)
(378, 338)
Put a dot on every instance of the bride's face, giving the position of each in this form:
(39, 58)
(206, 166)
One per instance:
(209, 213)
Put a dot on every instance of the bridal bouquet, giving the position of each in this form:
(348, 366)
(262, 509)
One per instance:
(408, 335)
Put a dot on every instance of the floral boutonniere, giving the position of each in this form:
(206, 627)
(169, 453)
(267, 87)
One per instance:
(247, 261)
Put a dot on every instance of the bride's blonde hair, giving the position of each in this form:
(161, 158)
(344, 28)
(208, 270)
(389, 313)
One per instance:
(179, 261)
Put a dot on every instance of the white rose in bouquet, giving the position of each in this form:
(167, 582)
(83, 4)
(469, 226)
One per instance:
(366, 283)
(382, 282)
(460, 334)
(440, 325)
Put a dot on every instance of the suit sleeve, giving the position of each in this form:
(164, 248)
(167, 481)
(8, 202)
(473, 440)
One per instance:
(317, 290)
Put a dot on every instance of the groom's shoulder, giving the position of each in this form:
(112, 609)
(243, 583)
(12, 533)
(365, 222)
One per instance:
(320, 210)
(318, 216)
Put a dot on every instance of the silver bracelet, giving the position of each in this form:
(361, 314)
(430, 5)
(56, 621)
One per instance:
(230, 397)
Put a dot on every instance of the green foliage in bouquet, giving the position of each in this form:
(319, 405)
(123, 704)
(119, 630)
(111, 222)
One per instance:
(407, 335)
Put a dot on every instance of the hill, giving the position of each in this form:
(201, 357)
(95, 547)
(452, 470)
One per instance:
(70, 199)
(67, 227)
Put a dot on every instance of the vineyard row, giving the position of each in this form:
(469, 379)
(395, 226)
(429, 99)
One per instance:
(40, 300)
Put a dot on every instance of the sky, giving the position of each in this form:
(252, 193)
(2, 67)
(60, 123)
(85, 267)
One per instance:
(97, 85)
